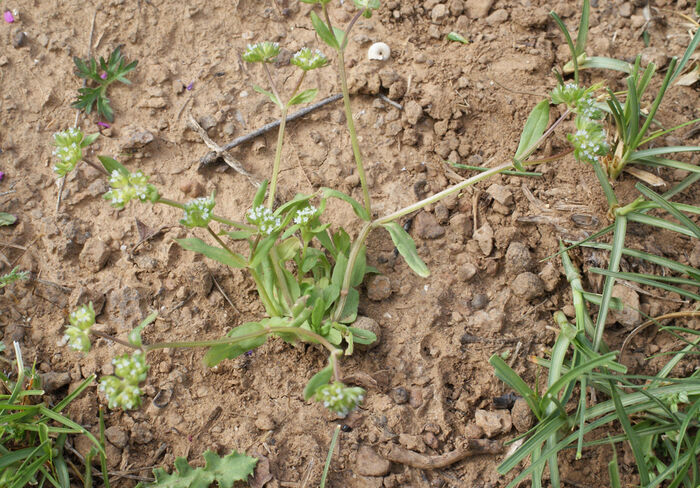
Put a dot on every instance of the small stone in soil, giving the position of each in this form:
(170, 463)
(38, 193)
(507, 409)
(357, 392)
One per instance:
(399, 395)
(430, 440)
(484, 238)
(19, 39)
(367, 323)
(52, 381)
(522, 415)
(369, 463)
(117, 436)
(480, 301)
(528, 286)
(518, 258)
(378, 288)
(493, 423)
(427, 226)
(501, 194)
(141, 433)
(466, 272)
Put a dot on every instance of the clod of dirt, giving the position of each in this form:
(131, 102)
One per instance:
(131, 303)
(412, 442)
(412, 112)
(264, 422)
(431, 441)
(136, 138)
(522, 415)
(629, 316)
(626, 9)
(484, 238)
(13, 333)
(399, 395)
(498, 17)
(197, 278)
(427, 226)
(192, 189)
(501, 194)
(367, 323)
(473, 431)
(415, 394)
(478, 9)
(95, 254)
(117, 436)
(438, 13)
(461, 224)
(466, 272)
(141, 433)
(442, 214)
(19, 39)
(493, 423)
(518, 258)
(528, 286)
(550, 276)
(83, 445)
(378, 288)
(480, 301)
(52, 381)
(695, 255)
(207, 122)
(369, 463)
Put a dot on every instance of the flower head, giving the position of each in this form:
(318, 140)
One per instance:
(588, 140)
(569, 94)
(69, 149)
(77, 339)
(262, 52)
(585, 107)
(83, 317)
(127, 186)
(9, 18)
(304, 215)
(307, 59)
(198, 212)
(122, 390)
(339, 398)
(264, 219)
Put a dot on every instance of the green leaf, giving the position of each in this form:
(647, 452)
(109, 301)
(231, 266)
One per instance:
(135, 334)
(218, 353)
(7, 219)
(580, 47)
(225, 471)
(321, 378)
(634, 440)
(362, 336)
(318, 311)
(349, 313)
(360, 211)
(534, 129)
(358, 271)
(666, 205)
(303, 97)
(260, 194)
(262, 250)
(89, 139)
(453, 36)
(112, 165)
(269, 94)
(323, 32)
(404, 243)
(217, 254)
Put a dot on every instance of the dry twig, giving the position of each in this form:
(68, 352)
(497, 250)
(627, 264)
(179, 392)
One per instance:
(472, 447)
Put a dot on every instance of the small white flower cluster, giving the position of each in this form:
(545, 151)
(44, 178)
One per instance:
(126, 187)
(304, 215)
(264, 219)
(339, 398)
(586, 108)
(122, 390)
(261, 52)
(77, 335)
(568, 94)
(198, 212)
(68, 150)
(588, 140)
(307, 59)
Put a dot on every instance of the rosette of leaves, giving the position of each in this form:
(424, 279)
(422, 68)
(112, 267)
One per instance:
(101, 74)
(225, 471)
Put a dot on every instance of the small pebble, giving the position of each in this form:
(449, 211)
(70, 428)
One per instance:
(19, 39)
(399, 395)
(480, 301)
(264, 422)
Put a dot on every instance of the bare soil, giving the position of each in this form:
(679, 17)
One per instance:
(429, 374)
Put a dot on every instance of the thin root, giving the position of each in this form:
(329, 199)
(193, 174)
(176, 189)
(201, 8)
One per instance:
(472, 447)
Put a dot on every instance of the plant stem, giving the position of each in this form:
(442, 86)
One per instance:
(275, 258)
(222, 220)
(112, 338)
(278, 159)
(346, 36)
(353, 134)
(262, 291)
(605, 184)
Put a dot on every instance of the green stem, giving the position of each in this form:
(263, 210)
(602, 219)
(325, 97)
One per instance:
(605, 184)
(275, 258)
(353, 133)
(330, 456)
(222, 220)
(354, 252)
(262, 291)
(278, 159)
(346, 36)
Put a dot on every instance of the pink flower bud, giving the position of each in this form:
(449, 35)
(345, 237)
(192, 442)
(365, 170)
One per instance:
(9, 18)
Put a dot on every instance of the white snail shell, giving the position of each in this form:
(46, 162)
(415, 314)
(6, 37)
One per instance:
(379, 51)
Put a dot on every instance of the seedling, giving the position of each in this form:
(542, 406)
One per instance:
(101, 75)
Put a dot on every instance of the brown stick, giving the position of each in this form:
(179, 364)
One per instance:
(472, 447)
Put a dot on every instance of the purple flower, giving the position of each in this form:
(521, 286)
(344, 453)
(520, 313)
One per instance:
(2, 175)
(103, 75)
(189, 87)
(9, 18)
(104, 124)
